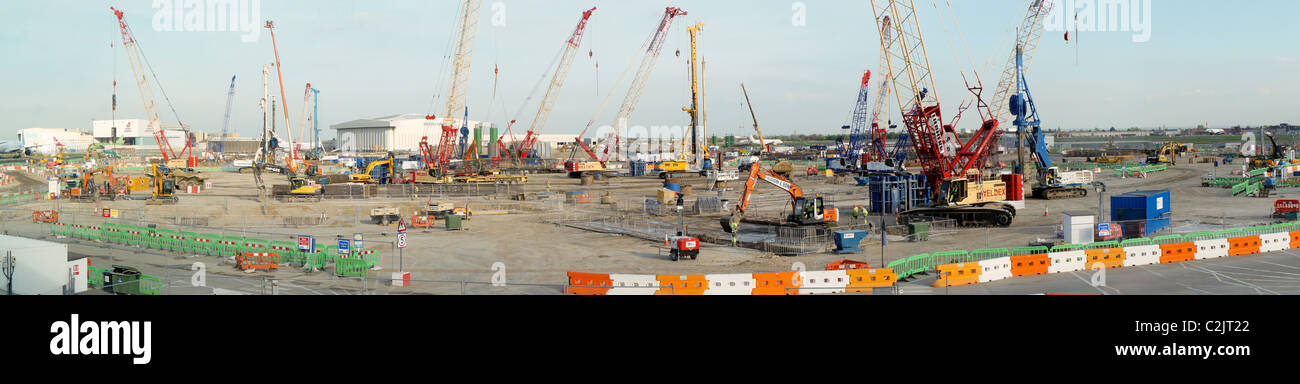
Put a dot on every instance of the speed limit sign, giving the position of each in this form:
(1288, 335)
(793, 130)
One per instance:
(401, 240)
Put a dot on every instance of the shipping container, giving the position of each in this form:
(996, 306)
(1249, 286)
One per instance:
(1140, 205)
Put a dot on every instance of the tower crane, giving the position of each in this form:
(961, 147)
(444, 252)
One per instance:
(146, 95)
(951, 167)
(461, 59)
(225, 125)
(557, 82)
(611, 144)
(762, 145)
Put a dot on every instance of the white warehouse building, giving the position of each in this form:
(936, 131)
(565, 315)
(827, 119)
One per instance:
(137, 132)
(400, 133)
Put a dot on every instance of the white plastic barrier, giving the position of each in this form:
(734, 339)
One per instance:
(1069, 261)
(736, 284)
(1273, 242)
(1141, 255)
(995, 269)
(1211, 249)
(823, 282)
(633, 284)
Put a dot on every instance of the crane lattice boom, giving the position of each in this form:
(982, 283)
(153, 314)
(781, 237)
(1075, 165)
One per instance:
(1029, 32)
(468, 30)
(557, 82)
(146, 95)
(634, 93)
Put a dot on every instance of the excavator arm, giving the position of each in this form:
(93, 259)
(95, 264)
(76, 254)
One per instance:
(732, 223)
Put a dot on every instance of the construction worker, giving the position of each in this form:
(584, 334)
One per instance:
(734, 234)
(857, 212)
(863, 214)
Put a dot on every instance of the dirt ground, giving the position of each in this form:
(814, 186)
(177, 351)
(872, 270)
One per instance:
(538, 246)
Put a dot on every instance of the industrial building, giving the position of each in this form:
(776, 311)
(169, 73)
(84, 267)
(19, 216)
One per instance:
(400, 133)
(47, 140)
(137, 132)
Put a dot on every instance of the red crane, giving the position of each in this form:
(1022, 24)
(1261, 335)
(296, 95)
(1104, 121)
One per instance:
(557, 81)
(146, 95)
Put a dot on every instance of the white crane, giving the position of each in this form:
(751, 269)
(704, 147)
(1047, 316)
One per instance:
(611, 144)
(557, 82)
(461, 59)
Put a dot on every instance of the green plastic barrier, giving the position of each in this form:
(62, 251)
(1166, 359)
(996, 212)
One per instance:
(1067, 247)
(351, 267)
(1102, 245)
(212, 245)
(150, 285)
(290, 254)
(897, 265)
(165, 240)
(950, 257)
(265, 246)
(95, 277)
(317, 260)
(1230, 233)
(1021, 251)
(989, 254)
(1135, 242)
(919, 263)
(1199, 236)
(235, 244)
(1259, 230)
(1169, 239)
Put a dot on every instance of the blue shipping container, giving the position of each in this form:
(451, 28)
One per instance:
(1140, 205)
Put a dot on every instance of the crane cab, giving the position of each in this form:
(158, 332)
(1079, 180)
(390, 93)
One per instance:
(812, 211)
(971, 190)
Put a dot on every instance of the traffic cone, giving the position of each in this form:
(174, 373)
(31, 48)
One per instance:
(1047, 211)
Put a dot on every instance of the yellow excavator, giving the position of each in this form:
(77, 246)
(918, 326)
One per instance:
(1167, 154)
(163, 185)
(368, 177)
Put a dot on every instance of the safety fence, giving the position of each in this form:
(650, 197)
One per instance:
(19, 197)
(1249, 188)
(981, 266)
(779, 283)
(1085, 166)
(247, 251)
(1141, 170)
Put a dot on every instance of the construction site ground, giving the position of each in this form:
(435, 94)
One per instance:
(538, 241)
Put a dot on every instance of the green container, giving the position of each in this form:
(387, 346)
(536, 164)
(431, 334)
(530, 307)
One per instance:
(453, 222)
(918, 231)
(123, 281)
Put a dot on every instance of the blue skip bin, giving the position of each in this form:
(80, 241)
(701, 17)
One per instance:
(847, 241)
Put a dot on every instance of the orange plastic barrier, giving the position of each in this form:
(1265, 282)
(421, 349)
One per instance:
(589, 283)
(1247, 245)
(423, 221)
(1030, 265)
(1109, 257)
(774, 284)
(255, 261)
(1295, 239)
(862, 280)
(1177, 252)
(682, 284)
(951, 275)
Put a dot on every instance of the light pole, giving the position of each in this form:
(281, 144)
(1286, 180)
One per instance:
(1101, 199)
(9, 267)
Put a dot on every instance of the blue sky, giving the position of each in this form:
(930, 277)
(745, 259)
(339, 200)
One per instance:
(1224, 63)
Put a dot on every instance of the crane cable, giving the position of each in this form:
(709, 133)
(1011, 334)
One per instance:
(440, 81)
(157, 80)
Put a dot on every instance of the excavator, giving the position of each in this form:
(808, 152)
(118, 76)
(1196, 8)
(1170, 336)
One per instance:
(1278, 154)
(368, 176)
(1167, 154)
(163, 185)
(804, 210)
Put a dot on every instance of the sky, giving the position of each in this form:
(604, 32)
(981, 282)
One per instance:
(1216, 62)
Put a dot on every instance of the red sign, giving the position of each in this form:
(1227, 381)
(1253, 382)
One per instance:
(108, 212)
(1286, 206)
(401, 225)
(305, 243)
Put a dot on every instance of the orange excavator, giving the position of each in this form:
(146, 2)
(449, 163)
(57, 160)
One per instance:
(804, 210)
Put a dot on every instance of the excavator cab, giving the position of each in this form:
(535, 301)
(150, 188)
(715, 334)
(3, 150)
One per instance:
(164, 187)
(808, 211)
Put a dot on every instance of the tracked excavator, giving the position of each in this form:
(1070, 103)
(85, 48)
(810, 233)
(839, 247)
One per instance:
(804, 210)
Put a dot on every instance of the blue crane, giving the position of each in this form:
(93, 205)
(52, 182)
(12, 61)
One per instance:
(1052, 184)
(857, 141)
(225, 127)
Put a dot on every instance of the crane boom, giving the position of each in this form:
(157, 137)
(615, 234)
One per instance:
(762, 145)
(146, 95)
(279, 75)
(694, 109)
(306, 118)
(557, 82)
(858, 126)
(225, 125)
(1028, 33)
(463, 56)
(634, 93)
